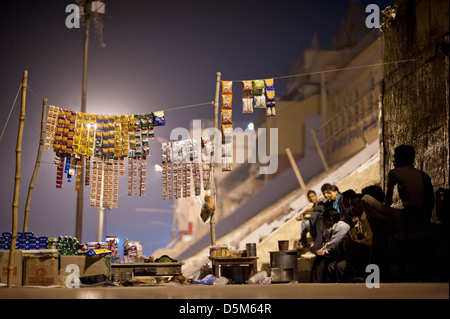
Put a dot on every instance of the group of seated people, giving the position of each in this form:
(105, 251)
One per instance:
(350, 230)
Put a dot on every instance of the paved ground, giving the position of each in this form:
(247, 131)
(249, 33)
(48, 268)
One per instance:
(271, 291)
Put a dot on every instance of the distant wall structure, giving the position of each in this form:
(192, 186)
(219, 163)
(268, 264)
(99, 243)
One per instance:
(415, 94)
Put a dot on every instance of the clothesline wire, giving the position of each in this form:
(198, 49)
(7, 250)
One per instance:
(10, 112)
(334, 70)
(212, 102)
(187, 106)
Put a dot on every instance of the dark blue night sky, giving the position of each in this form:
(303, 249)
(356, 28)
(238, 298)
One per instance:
(158, 55)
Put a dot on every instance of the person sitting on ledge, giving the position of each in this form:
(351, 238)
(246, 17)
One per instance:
(304, 218)
(340, 201)
(416, 193)
(328, 252)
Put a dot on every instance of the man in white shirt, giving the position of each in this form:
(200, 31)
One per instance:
(327, 254)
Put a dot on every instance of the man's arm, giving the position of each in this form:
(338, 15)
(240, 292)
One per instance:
(338, 233)
(390, 188)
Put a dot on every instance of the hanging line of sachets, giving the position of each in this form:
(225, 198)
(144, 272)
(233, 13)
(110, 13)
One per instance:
(206, 154)
(227, 126)
(180, 161)
(106, 140)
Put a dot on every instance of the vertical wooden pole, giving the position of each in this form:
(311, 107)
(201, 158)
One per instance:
(296, 171)
(80, 192)
(212, 220)
(15, 204)
(319, 150)
(36, 167)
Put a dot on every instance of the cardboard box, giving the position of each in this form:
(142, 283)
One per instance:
(17, 272)
(89, 266)
(40, 269)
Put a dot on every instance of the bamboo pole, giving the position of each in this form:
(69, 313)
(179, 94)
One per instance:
(212, 220)
(80, 192)
(319, 150)
(15, 204)
(36, 167)
(296, 171)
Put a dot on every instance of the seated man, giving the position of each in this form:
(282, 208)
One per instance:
(328, 253)
(305, 224)
(415, 191)
(355, 251)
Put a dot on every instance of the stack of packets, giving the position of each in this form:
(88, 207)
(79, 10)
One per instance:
(227, 126)
(106, 140)
(258, 94)
(180, 161)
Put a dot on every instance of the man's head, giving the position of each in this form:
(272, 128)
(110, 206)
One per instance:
(346, 197)
(330, 217)
(356, 206)
(375, 191)
(404, 155)
(312, 196)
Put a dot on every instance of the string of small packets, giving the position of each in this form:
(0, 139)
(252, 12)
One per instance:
(106, 140)
(180, 162)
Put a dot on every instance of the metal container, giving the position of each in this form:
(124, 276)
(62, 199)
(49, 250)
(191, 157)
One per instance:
(279, 274)
(283, 245)
(283, 259)
(251, 249)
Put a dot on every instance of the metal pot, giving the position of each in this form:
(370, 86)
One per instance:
(283, 259)
(279, 274)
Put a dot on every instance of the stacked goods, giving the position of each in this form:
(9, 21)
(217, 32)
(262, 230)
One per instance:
(25, 241)
(67, 246)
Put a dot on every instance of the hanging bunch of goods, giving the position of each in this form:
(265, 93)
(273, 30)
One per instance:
(258, 94)
(259, 97)
(207, 153)
(227, 126)
(180, 162)
(255, 94)
(102, 142)
(247, 97)
(270, 98)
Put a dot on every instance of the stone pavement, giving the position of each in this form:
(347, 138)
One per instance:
(245, 291)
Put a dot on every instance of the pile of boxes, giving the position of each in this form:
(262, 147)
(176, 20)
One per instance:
(35, 264)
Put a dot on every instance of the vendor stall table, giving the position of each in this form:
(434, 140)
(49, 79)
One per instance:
(148, 269)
